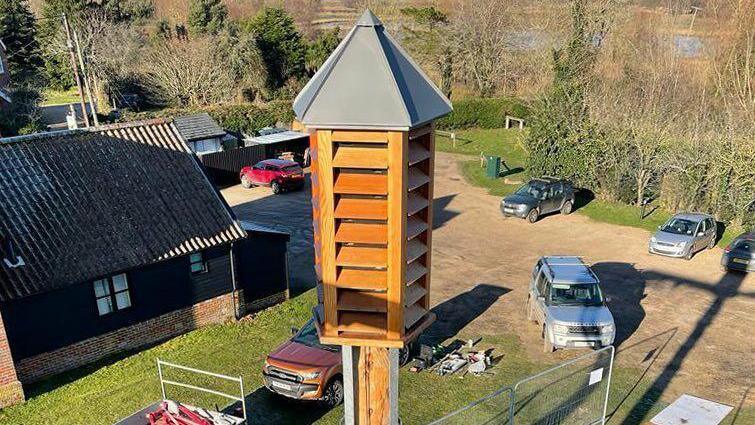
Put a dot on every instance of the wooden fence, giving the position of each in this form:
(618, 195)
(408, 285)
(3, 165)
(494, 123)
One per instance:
(224, 167)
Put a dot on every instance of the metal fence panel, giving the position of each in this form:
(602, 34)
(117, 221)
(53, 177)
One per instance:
(573, 393)
(490, 410)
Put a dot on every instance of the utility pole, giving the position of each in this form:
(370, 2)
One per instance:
(85, 79)
(75, 67)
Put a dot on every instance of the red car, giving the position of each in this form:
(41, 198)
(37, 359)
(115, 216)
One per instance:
(279, 174)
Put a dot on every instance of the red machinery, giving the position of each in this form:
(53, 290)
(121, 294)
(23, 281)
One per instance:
(172, 413)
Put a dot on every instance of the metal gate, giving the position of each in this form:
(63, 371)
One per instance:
(572, 393)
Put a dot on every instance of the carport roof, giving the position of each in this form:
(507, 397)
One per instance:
(369, 82)
(283, 136)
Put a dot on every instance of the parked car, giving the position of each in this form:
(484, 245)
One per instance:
(303, 368)
(740, 254)
(279, 174)
(539, 196)
(683, 235)
(566, 301)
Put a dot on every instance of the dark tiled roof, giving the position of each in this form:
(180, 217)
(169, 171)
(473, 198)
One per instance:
(198, 127)
(79, 205)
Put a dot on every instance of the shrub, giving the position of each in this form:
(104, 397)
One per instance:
(242, 118)
(482, 113)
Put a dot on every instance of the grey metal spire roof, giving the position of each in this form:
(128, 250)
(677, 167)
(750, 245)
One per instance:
(369, 82)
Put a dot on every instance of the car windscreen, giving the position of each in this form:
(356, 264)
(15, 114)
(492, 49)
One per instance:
(680, 226)
(575, 294)
(291, 169)
(307, 335)
(745, 246)
(530, 189)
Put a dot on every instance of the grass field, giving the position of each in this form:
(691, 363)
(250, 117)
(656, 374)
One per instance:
(116, 388)
(55, 97)
(106, 392)
(508, 145)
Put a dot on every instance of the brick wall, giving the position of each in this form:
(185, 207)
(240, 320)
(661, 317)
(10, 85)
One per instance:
(214, 310)
(10, 387)
(262, 303)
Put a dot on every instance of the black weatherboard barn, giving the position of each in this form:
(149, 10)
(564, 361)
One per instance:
(114, 239)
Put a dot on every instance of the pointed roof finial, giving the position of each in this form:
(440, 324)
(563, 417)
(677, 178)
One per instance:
(369, 19)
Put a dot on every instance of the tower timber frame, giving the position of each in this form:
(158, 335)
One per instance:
(374, 213)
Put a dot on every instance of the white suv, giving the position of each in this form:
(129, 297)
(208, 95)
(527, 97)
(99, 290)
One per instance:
(566, 301)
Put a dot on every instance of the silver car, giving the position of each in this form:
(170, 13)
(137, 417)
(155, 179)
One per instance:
(566, 301)
(683, 235)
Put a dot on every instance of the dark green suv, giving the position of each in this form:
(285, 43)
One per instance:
(538, 197)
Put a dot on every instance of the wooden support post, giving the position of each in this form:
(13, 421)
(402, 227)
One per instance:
(375, 404)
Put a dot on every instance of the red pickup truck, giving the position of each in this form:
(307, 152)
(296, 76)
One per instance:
(279, 174)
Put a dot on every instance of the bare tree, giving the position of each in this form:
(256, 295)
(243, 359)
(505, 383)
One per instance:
(186, 73)
(112, 51)
(735, 66)
(480, 38)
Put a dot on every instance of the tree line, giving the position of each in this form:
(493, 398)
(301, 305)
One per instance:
(207, 60)
(629, 118)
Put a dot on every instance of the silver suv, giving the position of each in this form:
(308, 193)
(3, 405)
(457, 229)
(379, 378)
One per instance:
(566, 301)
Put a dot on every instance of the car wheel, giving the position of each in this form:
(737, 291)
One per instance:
(532, 215)
(276, 187)
(712, 243)
(566, 208)
(690, 254)
(547, 345)
(333, 394)
(404, 355)
(246, 183)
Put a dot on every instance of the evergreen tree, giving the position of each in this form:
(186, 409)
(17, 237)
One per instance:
(280, 45)
(207, 16)
(559, 141)
(57, 66)
(18, 31)
(319, 50)
(427, 39)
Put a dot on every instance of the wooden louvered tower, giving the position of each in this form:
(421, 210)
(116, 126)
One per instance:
(375, 221)
(370, 111)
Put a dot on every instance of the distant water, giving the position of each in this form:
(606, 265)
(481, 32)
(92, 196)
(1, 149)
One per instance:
(527, 39)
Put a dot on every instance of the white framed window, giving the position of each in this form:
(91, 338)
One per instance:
(112, 294)
(206, 146)
(198, 264)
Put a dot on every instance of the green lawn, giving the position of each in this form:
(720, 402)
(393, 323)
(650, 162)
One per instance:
(56, 97)
(508, 145)
(104, 393)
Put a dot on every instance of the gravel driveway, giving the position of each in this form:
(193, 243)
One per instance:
(686, 321)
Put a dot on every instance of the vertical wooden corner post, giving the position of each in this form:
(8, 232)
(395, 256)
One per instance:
(372, 143)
